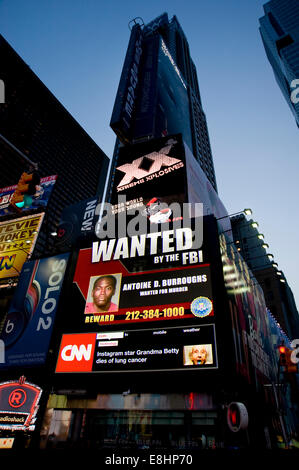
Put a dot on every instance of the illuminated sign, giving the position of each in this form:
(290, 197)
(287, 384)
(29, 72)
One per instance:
(17, 241)
(6, 442)
(167, 53)
(114, 295)
(237, 416)
(168, 241)
(77, 221)
(156, 160)
(39, 199)
(175, 348)
(29, 323)
(18, 405)
(149, 170)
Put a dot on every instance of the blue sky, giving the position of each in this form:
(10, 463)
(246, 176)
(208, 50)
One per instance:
(77, 49)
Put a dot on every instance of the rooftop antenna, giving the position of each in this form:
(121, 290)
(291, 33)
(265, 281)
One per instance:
(137, 20)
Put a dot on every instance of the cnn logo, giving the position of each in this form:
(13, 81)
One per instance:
(76, 353)
(72, 351)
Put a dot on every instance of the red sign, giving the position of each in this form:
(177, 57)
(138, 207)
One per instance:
(76, 353)
(18, 405)
(147, 296)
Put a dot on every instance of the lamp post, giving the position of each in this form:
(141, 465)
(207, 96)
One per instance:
(244, 211)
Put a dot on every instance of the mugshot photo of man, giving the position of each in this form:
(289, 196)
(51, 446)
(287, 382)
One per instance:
(103, 294)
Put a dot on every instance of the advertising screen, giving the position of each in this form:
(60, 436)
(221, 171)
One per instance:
(77, 220)
(112, 294)
(254, 340)
(18, 405)
(150, 173)
(28, 326)
(17, 240)
(175, 348)
(39, 199)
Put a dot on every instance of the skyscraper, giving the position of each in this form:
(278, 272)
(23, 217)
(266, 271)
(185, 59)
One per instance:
(158, 94)
(279, 29)
(34, 123)
(278, 295)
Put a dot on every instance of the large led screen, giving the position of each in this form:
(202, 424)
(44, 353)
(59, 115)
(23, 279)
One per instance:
(17, 241)
(150, 173)
(112, 294)
(29, 323)
(175, 348)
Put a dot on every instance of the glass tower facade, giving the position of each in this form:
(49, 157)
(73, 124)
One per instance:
(279, 29)
(164, 94)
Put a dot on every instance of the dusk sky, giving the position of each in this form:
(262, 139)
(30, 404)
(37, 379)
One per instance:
(77, 49)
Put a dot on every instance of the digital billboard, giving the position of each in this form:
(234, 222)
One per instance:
(19, 405)
(77, 221)
(17, 241)
(255, 347)
(112, 294)
(150, 173)
(29, 323)
(39, 199)
(174, 348)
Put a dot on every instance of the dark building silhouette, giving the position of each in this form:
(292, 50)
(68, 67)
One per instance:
(278, 294)
(34, 123)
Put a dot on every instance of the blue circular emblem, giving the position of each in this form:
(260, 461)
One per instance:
(201, 307)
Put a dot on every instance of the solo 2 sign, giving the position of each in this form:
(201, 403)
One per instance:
(28, 327)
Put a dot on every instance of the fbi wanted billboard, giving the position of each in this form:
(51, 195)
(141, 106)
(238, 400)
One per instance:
(17, 240)
(28, 326)
(112, 294)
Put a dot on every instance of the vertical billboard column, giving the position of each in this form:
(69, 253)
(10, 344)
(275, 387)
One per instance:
(17, 241)
(30, 319)
(125, 102)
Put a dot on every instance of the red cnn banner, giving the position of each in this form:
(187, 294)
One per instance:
(76, 353)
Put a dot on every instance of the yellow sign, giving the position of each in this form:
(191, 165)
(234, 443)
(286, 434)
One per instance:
(17, 241)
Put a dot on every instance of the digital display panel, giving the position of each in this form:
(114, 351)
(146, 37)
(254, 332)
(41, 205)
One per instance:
(150, 172)
(19, 403)
(174, 348)
(17, 241)
(114, 295)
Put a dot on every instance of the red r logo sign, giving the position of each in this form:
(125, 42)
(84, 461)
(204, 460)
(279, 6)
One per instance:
(17, 398)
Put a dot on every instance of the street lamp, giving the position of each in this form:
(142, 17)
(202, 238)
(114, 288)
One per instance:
(253, 224)
(244, 211)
